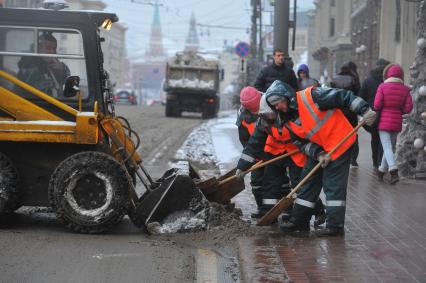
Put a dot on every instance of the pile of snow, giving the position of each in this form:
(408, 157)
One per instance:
(201, 216)
(198, 146)
(194, 59)
(195, 83)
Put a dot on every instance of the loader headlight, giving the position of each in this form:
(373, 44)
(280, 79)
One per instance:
(107, 24)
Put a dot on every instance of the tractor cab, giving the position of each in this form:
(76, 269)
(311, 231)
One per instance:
(58, 53)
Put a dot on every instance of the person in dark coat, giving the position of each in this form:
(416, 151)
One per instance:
(368, 93)
(303, 78)
(47, 74)
(348, 79)
(278, 70)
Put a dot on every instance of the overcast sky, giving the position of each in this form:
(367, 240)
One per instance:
(175, 15)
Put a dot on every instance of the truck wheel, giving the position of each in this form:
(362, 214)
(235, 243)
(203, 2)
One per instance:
(9, 190)
(169, 109)
(208, 112)
(89, 192)
(173, 110)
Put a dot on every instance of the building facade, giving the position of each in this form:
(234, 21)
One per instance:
(398, 33)
(365, 34)
(331, 44)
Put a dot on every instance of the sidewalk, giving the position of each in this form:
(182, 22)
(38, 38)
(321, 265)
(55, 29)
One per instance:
(385, 238)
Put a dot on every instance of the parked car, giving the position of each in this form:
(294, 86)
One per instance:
(125, 97)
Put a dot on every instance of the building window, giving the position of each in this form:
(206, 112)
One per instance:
(398, 21)
(332, 3)
(332, 27)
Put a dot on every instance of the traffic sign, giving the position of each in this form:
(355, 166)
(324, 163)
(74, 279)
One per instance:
(242, 49)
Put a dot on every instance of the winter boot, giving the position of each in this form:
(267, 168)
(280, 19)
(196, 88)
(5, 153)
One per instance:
(264, 209)
(320, 215)
(299, 221)
(286, 215)
(258, 199)
(380, 175)
(394, 176)
(328, 231)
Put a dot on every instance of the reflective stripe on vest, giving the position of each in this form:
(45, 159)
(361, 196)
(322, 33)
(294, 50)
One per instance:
(249, 126)
(325, 128)
(277, 143)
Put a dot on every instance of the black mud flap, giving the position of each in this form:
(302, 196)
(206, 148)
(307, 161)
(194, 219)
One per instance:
(174, 193)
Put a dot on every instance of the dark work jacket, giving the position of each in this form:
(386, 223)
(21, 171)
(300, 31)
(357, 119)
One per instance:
(243, 133)
(271, 73)
(325, 98)
(254, 147)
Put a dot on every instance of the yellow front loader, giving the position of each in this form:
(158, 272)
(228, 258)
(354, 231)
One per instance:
(61, 144)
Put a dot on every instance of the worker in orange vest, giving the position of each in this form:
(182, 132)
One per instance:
(246, 121)
(270, 140)
(318, 124)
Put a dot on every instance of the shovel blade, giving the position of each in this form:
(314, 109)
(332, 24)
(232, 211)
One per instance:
(223, 193)
(274, 212)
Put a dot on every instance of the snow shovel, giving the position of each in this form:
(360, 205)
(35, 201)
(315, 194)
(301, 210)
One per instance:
(224, 188)
(286, 201)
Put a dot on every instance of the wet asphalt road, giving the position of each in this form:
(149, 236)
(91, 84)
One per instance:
(34, 247)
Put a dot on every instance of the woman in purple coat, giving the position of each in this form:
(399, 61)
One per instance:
(393, 99)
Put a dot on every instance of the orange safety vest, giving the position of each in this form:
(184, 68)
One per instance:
(249, 126)
(325, 128)
(280, 143)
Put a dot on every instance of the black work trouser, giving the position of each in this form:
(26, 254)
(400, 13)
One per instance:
(334, 180)
(276, 183)
(256, 180)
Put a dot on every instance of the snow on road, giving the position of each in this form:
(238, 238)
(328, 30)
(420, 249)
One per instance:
(216, 141)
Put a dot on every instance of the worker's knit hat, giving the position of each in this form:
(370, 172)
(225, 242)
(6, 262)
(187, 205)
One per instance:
(250, 98)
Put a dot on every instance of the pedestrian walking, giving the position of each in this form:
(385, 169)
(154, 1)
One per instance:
(368, 93)
(278, 70)
(393, 99)
(348, 79)
(246, 121)
(317, 126)
(303, 78)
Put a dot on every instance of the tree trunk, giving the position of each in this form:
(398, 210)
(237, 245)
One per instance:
(411, 159)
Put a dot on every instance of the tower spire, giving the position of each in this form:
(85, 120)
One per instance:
(192, 43)
(156, 38)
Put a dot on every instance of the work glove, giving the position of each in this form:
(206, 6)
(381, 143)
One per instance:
(240, 174)
(324, 158)
(369, 117)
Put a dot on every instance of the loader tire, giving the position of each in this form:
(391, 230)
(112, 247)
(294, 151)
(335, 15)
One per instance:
(9, 185)
(89, 192)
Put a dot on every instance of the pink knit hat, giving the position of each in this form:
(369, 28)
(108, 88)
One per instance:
(250, 98)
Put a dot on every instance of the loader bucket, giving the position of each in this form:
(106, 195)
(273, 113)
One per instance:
(174, 193)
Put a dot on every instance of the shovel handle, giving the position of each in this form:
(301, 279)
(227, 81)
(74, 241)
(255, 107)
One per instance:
(260, 164)
(284, 202)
